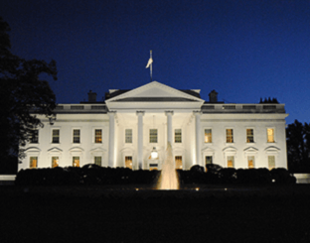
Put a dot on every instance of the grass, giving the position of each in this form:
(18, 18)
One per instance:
(97, 214)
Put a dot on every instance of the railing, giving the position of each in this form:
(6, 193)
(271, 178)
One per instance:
(83, 108)
(243, 108)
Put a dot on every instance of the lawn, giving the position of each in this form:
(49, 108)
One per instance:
(98, 214)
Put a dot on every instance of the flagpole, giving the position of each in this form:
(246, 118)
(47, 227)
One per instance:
(151, 65)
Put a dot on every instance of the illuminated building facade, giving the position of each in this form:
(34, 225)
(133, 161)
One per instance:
(132, 128)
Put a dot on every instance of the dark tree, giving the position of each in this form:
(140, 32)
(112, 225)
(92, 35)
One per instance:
(22, 92)
(298, 146)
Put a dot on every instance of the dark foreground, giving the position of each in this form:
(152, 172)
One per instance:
(97, 214)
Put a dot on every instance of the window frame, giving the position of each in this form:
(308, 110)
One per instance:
(34, 136)
(95, 162)
(178, 135)
(274, 161)
(274, 132)
(95, 136)
(152, 136)
(253, 161)
(55, 162)
(249, 136)
(229, 135)
(55, 129)
(206, 135)
(233, 161)
(208, 156)
(73, 161)
(30, 162)
(128, 139)
(73, 135)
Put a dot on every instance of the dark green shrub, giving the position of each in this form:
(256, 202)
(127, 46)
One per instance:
(282, 176)
(227, 176)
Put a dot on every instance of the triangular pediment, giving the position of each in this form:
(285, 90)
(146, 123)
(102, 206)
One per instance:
(250, 150)
(156, 92)
(98, 150)
(54, 150)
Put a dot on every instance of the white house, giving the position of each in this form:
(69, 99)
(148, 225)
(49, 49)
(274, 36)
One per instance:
(133, 127)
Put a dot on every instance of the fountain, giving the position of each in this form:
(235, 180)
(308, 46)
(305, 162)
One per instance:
(168, 179)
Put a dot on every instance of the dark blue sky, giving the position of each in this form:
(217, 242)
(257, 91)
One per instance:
(243, 49)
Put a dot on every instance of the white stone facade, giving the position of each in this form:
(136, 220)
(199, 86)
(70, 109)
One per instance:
(131, 124)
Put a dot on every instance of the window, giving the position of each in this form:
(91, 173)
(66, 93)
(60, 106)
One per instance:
(229, 136)
(230, 161)
(128, 162)
(250, 136)
(209, 160)
(128, 136)
(34, 136)
(208, 136)
(55, 161)
(98, 160)
(153, 135)
(251, 162)
(55, 136)
(76, 161)
(178, 135)
(271, 162)
(178, 163)
(98, 136)
(270, 135)
(76, 136)
(33, 162)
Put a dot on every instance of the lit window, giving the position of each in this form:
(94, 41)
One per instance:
(270, 135)
(76, 161)
(250, 136)
(271, 162)
(55, 162)
(178, 162)
(98, 136)
(33, 162)
(153, 135)
(128, 136)
(230, 161)
(128, 162)
(178, 135)
(209, 160)
(76, 136)
(251, 162)
(208, 136)
(55, 136)
(34, 136)
(98, 160)
(229, 136)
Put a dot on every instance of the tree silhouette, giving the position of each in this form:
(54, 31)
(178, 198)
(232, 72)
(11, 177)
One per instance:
(298, 146)
(22, 95)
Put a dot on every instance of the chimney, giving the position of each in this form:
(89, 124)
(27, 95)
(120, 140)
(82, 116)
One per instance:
(213, 97)
(92, 97)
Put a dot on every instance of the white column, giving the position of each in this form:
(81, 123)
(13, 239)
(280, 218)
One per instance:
(169, 126)
(111, 138)
(198, 140)
(140, 115)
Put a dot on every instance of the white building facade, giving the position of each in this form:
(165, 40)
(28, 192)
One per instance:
(124, 130)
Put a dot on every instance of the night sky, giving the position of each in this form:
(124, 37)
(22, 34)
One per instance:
(243, 49)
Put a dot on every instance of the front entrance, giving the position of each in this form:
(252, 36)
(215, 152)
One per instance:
(128, 162)
(178, 163)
